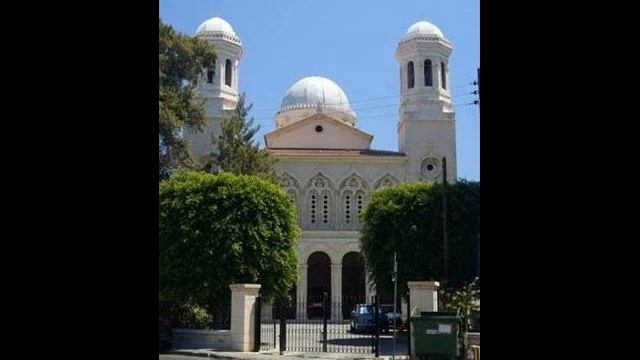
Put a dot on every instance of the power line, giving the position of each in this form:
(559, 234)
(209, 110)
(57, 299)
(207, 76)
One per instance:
(377, 106)
(370, 99)
(270, 118)
(329, 111)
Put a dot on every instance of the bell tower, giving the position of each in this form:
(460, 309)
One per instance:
(217, 86)
(426, 126)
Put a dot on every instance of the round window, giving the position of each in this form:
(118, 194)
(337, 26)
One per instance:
(319, 128)
(430, 169)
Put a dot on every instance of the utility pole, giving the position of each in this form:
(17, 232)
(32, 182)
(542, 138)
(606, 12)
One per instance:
(395, 300)
(445, 245)
(478, 81)
(478, 244)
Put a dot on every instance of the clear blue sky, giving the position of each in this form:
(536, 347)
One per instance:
(352, 42)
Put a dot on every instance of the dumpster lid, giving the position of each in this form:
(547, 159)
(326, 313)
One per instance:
(437, 313)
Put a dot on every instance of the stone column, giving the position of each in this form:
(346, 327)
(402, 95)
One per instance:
(437, 79)
(243, 299)
(368, 290)
(301, 292)
(423, 295)
(404, 312)
(336, 291)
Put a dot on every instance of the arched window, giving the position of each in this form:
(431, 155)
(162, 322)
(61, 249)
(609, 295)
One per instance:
(211, 72)
(294, 198)
(325, 208)
(228, 71)
(352, 192)
(348, 218)
(410, 77)
(320, 203)
(293, 189)
(313, 207)
(359, 205)
(428, 73)
(443, 69)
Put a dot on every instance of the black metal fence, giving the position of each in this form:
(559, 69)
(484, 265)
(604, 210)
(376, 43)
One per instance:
(320, 323)
(266, 327)
(474, 321)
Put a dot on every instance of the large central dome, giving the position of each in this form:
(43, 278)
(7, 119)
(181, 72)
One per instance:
(311, 95)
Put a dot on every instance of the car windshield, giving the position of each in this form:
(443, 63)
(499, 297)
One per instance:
(363, 310)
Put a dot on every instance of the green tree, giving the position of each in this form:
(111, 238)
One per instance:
(216, 230)
(181, 60)
(237, 152)
(407, 220)
(464, 299)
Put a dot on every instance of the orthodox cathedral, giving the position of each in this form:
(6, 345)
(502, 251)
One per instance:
(327, 163)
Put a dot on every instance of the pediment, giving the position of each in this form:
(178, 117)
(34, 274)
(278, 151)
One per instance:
(318, 131)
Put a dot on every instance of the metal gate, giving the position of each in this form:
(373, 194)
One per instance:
(319, 324)
(266, 327)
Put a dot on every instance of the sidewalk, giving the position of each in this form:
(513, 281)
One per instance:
(274, 355)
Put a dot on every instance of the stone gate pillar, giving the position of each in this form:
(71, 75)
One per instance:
(243, 300)
(423, 295)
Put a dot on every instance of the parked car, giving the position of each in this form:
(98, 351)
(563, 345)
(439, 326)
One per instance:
(362, 319)
(166, 334)
(388, 311)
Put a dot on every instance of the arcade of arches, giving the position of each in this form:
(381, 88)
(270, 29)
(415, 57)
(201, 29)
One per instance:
(343, 283)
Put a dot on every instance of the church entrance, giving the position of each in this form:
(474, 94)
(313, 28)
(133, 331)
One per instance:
(353, 282)
(318, 283)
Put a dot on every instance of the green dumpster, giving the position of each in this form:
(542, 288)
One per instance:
(437, 335)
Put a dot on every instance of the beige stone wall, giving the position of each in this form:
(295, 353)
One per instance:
(334, 135)
(201, 339)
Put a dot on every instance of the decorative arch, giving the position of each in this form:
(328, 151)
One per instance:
(320, 203)
(353, 280)
(386, 181)
(228, 72)
(410, 75)
(318, 282)
(292, 187)
(320, 181)
(353, 181)
(352, 193)
(308, 248)
(443, 76)
(428, 73)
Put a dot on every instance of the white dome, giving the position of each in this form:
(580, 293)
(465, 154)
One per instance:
(424, 28)
(313, 94)
(216, 24)
(314, 90)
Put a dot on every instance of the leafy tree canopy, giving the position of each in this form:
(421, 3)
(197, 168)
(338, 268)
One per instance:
(216, 230)
(407, 219)
(181, 60)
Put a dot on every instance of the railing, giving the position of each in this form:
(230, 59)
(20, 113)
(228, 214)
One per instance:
(474, 321)
(322, 324)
